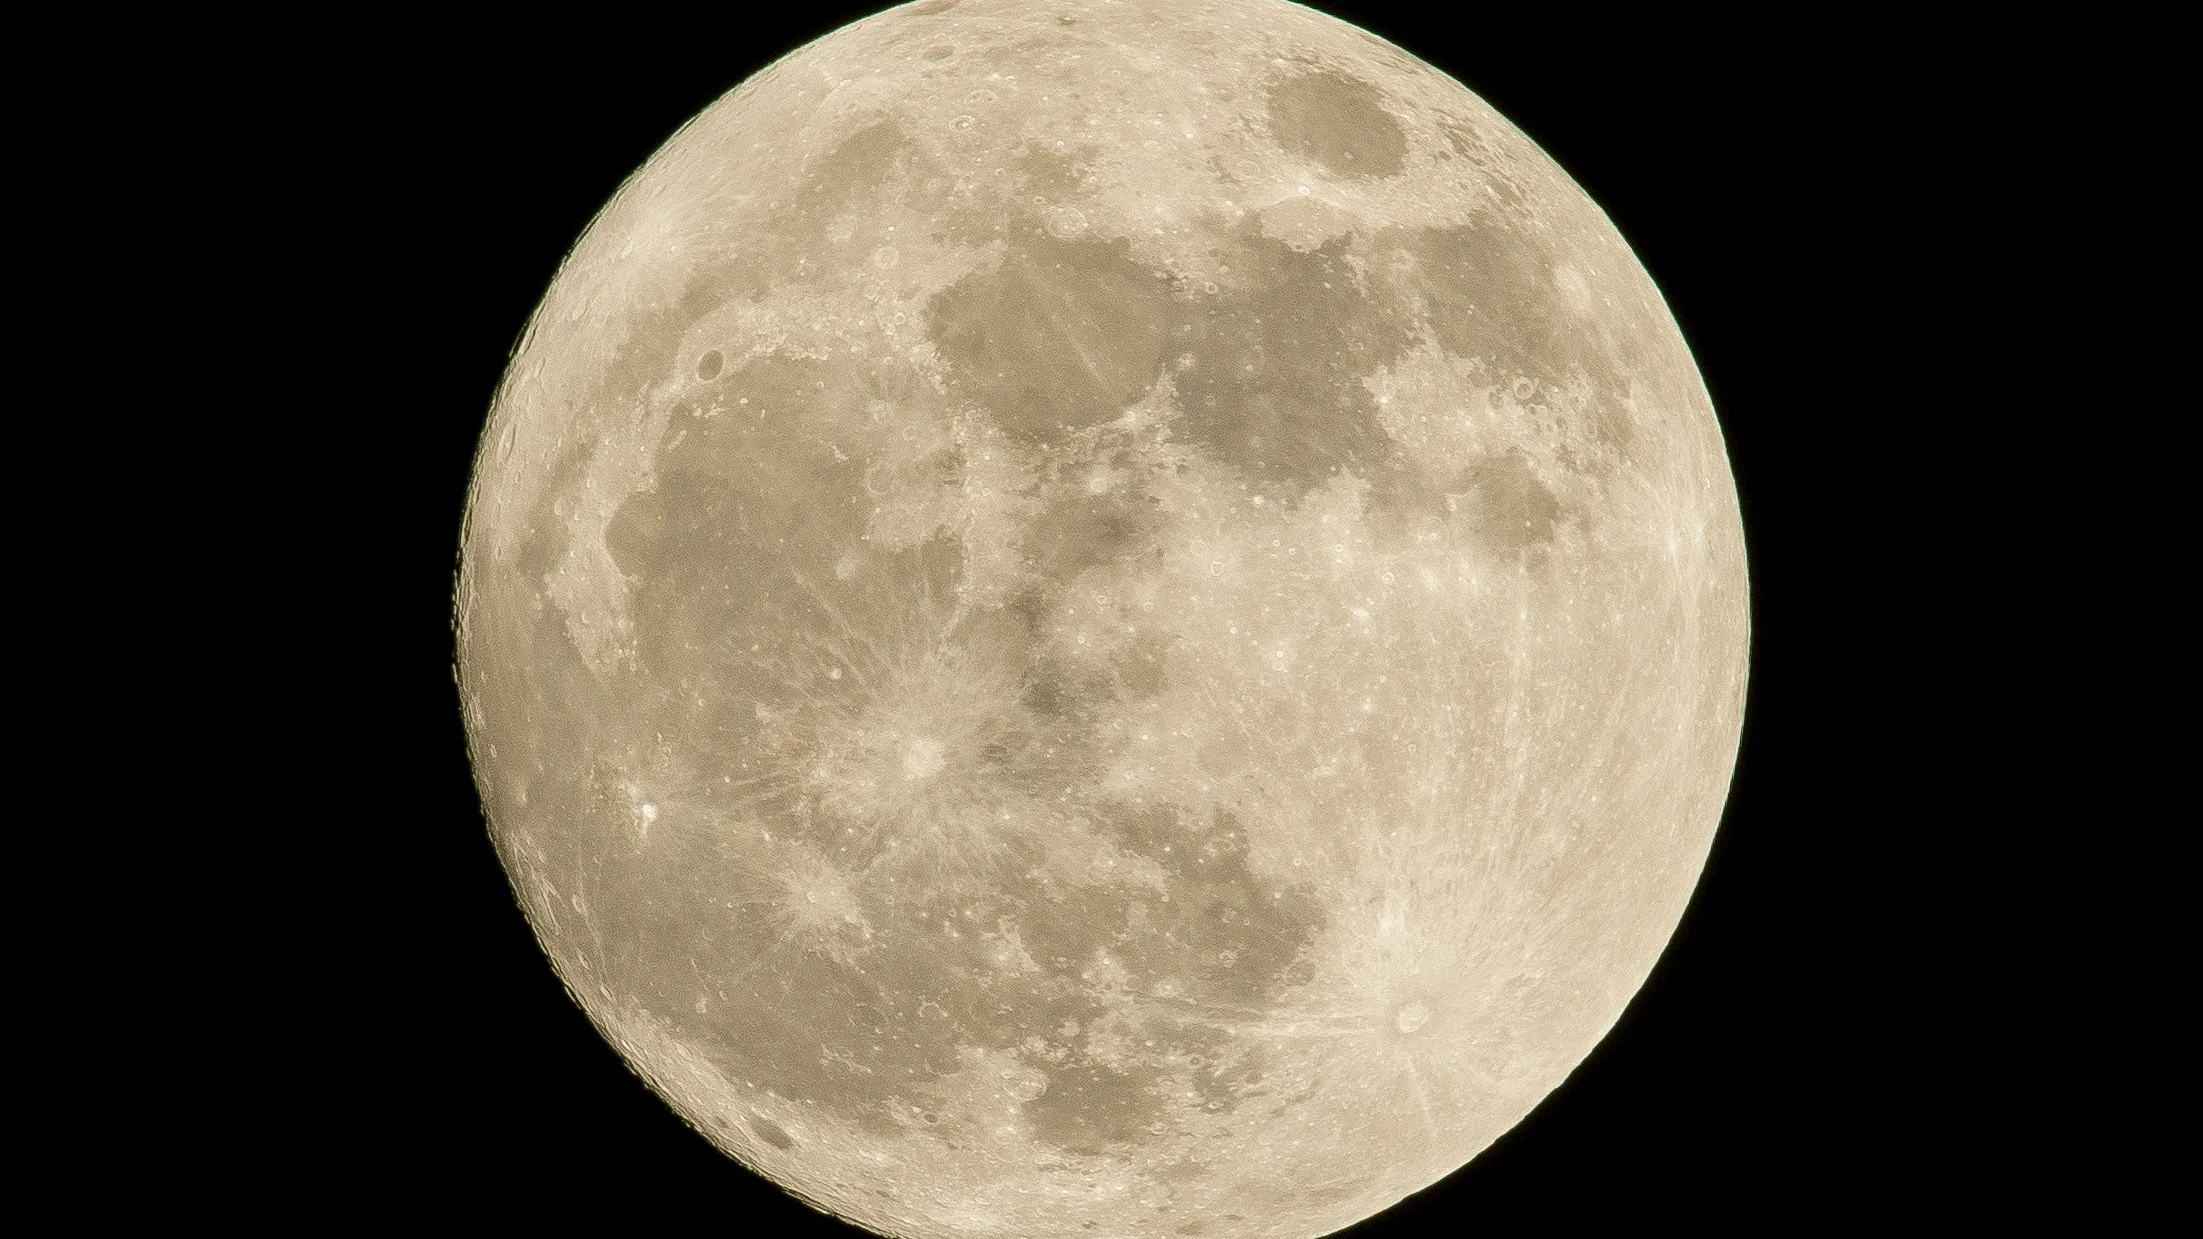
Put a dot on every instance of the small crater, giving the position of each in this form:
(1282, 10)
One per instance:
(922, 759)
(709, 365)
(1339, 123)
(772, 1133)
(931, 8)
(1066, 222)
(1410, 1017)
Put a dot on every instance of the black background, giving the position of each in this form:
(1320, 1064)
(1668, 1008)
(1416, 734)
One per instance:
(1771, 1069)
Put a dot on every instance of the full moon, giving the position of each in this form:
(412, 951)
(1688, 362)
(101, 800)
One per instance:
(1108, 618)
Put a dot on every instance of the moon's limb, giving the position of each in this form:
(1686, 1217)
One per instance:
(1132, 623)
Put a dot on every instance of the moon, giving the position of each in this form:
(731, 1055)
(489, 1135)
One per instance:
(1102, 619)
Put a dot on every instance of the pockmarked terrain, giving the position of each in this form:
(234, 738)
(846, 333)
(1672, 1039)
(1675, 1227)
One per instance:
(1121, 618)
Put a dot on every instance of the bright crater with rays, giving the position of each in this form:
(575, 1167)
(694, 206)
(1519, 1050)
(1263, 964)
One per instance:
(1102, 619)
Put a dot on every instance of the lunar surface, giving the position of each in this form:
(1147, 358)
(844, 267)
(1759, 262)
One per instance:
(1102, 619)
